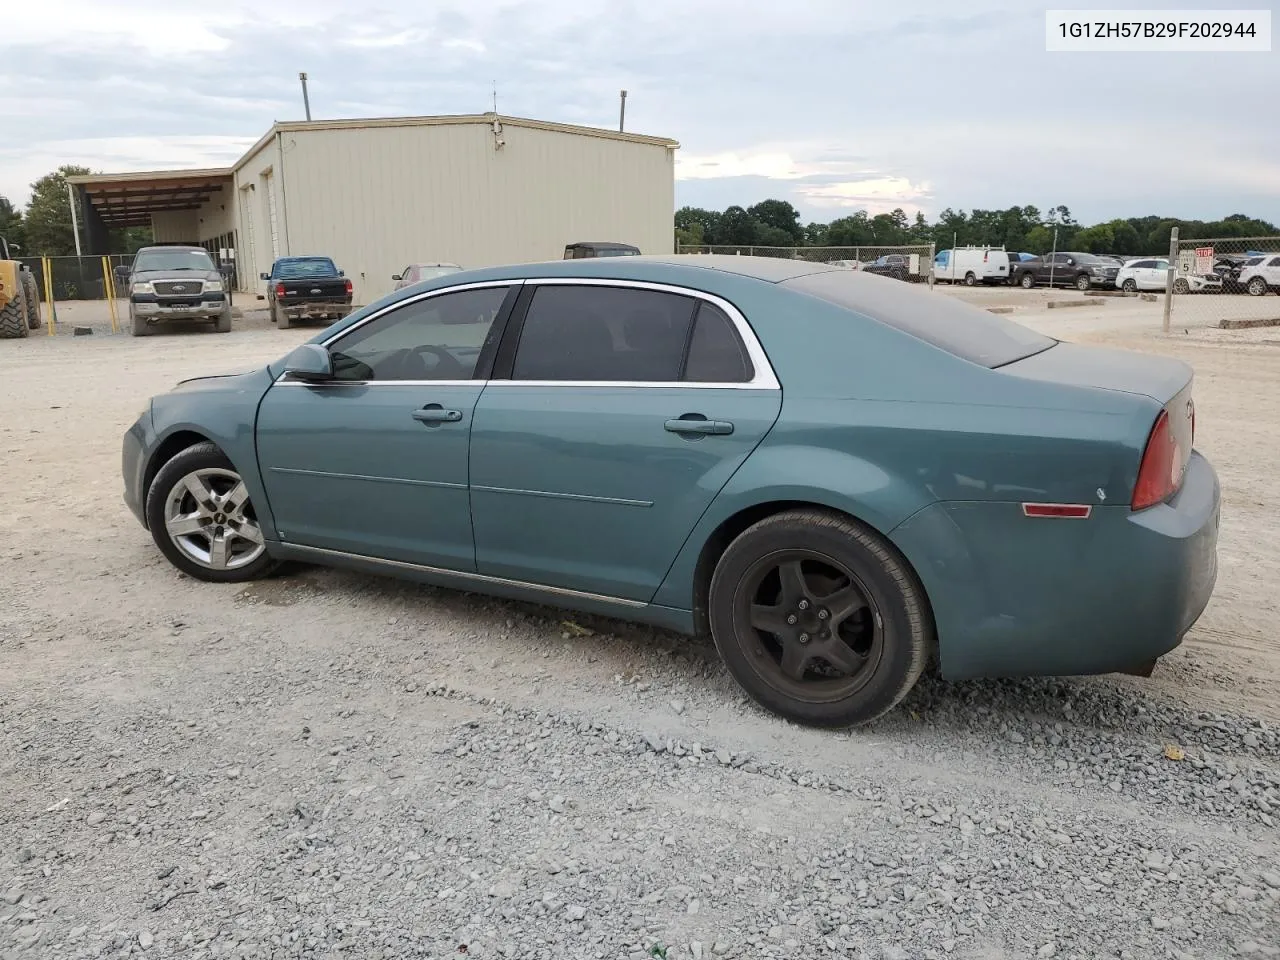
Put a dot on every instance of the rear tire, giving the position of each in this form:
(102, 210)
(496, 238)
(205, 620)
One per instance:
(32, 291)
(970, 279)
(853, 627)
(283, 320)
(1028, 280)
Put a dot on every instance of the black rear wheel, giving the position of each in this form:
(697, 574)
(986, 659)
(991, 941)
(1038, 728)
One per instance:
(819, 619)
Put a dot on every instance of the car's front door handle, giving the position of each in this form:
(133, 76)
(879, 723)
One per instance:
(434, 413)
(696, 423)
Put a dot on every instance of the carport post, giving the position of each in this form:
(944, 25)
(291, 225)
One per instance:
(1168, 280)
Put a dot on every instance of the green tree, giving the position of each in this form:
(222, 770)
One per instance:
(736, 228)
(705, 222)
(780, 216)
(48, 217)
(11, 226)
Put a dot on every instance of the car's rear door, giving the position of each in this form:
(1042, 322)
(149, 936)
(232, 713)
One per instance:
(374, 462)
(616, 413)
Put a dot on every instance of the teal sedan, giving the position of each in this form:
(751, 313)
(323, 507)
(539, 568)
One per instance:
(836, 476)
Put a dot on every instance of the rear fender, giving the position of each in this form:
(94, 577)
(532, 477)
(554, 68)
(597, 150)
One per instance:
(790, 473)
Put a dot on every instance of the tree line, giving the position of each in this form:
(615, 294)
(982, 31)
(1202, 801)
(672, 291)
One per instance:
(776, 223)
(44, 228)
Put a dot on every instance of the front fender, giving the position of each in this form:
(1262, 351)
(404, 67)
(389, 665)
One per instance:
(224, 410)
(783, 472)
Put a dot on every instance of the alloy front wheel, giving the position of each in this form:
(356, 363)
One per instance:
(203, 520)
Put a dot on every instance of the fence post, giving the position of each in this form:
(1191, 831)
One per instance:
(1168, 280)
(932, 253)
(48, 292)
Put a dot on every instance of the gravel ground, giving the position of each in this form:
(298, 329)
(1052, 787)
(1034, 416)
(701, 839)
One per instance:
(328, 765)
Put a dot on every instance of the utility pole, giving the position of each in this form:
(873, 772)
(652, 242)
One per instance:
(1168, 280)
(306, 101)
(622, 111)
(75, 223)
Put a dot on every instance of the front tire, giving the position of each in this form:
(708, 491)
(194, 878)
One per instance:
(818, 619)
(223, 323)
(201, 518)
(32, 291)
(1083, 283)
(1257, 287)
(1028, 281)
(1181, 286)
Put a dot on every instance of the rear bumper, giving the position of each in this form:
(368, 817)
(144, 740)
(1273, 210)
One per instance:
(1013, 596)
(315, 310)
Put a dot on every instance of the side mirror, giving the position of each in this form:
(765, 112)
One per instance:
(15, 246)
(1071, 261)
(342, 273)
(396, 276)
(264, 276)
(309, 362)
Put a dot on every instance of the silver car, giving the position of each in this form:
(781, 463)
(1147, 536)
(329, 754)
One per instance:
(417, 272)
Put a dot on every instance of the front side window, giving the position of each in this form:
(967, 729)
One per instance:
(597, 333)
(437, 338)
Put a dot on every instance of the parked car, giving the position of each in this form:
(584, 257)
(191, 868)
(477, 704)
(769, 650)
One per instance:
(1261, 277)
(306, 288)
(1080, 270)
(894, 265)
(176, 282)
(417, 272)
(972, 265)
(612, 437)
(1228, 267)
(589, 249)
(1153, 274)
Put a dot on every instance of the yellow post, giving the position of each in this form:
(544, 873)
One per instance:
(48, 293)
(109, 292)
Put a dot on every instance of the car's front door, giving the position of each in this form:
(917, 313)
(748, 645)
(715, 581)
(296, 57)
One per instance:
(615, 415)
(374, 462)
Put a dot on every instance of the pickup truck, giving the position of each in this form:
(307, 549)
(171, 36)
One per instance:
(1080, 270)
(306, 288)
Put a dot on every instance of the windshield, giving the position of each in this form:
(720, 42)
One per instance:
(310, 267)
(173, 260)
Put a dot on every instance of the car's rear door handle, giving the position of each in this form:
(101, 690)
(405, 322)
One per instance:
(435, 413)
(696, 423)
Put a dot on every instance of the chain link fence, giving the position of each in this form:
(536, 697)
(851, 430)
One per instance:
(1225, 281)
(79, 278)
(912, 263)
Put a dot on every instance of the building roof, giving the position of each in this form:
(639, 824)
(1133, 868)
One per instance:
(129, 199)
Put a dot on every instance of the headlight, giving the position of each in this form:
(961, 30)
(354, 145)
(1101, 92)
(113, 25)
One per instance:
(213, 286)
(142, 287)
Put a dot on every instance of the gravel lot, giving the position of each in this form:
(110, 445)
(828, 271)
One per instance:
(328, 765)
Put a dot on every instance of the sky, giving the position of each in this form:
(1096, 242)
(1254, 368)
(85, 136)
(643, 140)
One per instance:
(834, 105)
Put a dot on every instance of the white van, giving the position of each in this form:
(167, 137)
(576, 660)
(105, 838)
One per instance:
(972, 265)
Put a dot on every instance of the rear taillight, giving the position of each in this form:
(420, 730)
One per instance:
(348, 288)
(1160, 472)
(984, 256)
(279, 289)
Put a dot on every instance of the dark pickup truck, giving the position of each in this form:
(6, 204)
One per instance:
(306, 288)
(1080, 270)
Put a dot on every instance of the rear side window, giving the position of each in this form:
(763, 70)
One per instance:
(598, 333)
(948, 323)
(716, 354)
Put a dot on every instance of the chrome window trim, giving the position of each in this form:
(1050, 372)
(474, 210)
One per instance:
(763, 377)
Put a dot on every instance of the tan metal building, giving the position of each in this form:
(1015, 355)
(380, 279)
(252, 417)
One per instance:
(379, 194)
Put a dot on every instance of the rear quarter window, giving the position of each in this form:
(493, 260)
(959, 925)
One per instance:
(944, 321)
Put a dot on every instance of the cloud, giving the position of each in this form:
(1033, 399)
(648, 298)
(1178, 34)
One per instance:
(831, 104)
